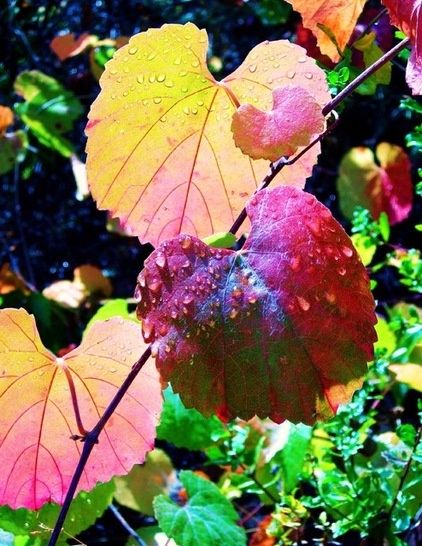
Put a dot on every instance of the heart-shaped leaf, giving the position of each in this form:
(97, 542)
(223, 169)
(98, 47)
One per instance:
(282, 328)
(160, 150)
(38, 456)
(207, 518)
(295, 120)
(382, 186)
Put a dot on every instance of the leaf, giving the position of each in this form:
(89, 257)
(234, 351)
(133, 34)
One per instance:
(295, 120)
(160, 151)
(13, 148)
(138, 489)
(85, 509)
(220, 240)
(38, 456)
(371, 53)
(262, 330)
(407, 16)
(207, 518)
(410, 374)
(338, 16)
(6, 119)
(185, 427)
(49, 109)
(66, 45)
(386, 187)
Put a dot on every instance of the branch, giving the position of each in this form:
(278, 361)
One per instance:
(91, 439)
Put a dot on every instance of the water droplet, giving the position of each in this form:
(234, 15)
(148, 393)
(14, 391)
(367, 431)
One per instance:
(155, 285)
(112, 369)
(148, 329)
(188, 299)
(184, 89)
(348, 252)
(151, 56)
(174, 315)
(132, 50)
(163, 118)
(295, 263)
(113, 71)
(237, 292)
(119, 79)
(331, 297)
(252, 68)
(303, 304)
(314, 225)
(309, 75)
(145, 102)
(233, 313)
(151, 78)
(342, 271)
(113, 96)
(160, 259)
(40, 372)
(169, 83)
(200, 102)
(291, 74)
(301, 59)
(186, 111)
(185, 242)
(161, 78)
(183, 73)
(157, 100)
(252, 299)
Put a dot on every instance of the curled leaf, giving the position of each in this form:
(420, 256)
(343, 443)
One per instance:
(294, 121)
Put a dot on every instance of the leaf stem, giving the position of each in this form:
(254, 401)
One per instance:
(126, 525)
(62, 363)
(91, 439)
(365, 75)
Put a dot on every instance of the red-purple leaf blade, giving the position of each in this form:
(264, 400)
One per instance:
(282, 328)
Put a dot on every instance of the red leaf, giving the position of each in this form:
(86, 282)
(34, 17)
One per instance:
(37, 418)
(161, 155)
(295, 120)
(66, 45)
(282, 328)
(407, 16)
(385, 187)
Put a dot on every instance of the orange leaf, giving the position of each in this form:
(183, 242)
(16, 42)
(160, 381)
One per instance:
(6, 119)
(65, 45)
(338, 16)
(37, 418)
(160, 151)
(295, 120)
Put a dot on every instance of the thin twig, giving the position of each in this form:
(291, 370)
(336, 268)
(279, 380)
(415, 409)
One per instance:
(126, 525)
(91, 439)
(348, 90)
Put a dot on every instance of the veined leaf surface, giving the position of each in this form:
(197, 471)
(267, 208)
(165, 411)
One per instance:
(161, 154)
(282, 328)
(37, 418)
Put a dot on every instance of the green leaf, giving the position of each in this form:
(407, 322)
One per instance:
(13, 147)
(113, 308)
(49, 109)
(207, 518)
(186, 427)
(84, 511)
(292, 456)
(220, 240)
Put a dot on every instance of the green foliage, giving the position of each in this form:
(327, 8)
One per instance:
(207, 518)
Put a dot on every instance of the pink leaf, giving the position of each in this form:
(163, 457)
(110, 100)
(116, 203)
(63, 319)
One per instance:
(37, 418)
(282, 328)
(295, 120)
(407, 16)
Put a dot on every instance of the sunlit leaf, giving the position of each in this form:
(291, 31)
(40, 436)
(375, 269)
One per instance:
(371, 53)
(380, 186)
(282, 328)
(338, 16)
(38, 456)
(294, 121)
(49, 109)
(144, 482)
(160, 151)
(410, 374)
(6, 119)
(207, 518)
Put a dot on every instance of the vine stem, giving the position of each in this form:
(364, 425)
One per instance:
(91, 439)
(348, 90)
